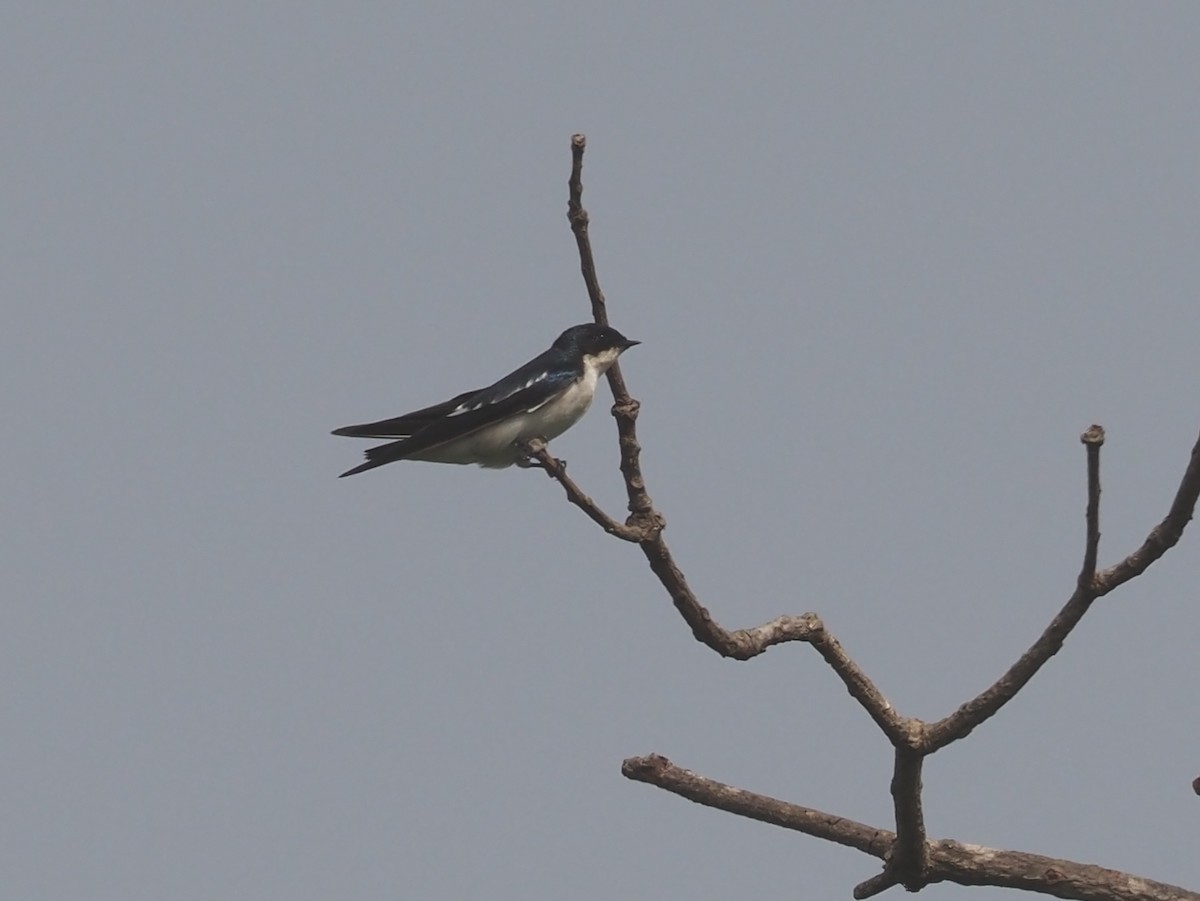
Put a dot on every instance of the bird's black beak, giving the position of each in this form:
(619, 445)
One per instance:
(628, 343)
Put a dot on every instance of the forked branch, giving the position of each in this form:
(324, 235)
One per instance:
(910, 858)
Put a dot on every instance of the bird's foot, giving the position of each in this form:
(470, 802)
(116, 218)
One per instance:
(529, 449)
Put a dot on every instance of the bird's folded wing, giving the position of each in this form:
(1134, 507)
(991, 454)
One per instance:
(474, 414)
(408, 424)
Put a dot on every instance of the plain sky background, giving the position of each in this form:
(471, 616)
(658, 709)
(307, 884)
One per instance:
(888, 261)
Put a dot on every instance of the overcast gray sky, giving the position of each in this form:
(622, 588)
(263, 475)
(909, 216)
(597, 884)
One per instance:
(887, 262)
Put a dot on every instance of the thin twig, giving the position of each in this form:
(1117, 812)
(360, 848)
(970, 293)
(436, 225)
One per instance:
(625, 408)
(576, 496)
(1161, 538)
(962, 721)
(578, 217)
(1093, 440)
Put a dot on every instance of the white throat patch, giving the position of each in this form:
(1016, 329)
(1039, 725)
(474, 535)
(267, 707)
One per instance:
(601, 362)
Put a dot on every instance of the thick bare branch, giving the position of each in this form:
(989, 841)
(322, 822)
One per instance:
(901, 731)
(909, 862)
(975, 865)
(948, 861)
(658, 770)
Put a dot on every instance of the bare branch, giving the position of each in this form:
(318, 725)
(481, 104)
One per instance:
(746, 643)
(657, 770)
(961, 722)
(578, 217)
(575, 495)
(948, 861)
(975, 865)
(910, 859)
(1163, 537)
(901, 731)
(1093, 439)
(877, 884)
(625, 408)
(645, 524)
(909, 862)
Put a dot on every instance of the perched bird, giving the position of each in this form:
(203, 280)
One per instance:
(491, 426)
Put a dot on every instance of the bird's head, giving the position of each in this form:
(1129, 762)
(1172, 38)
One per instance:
(598, 345)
